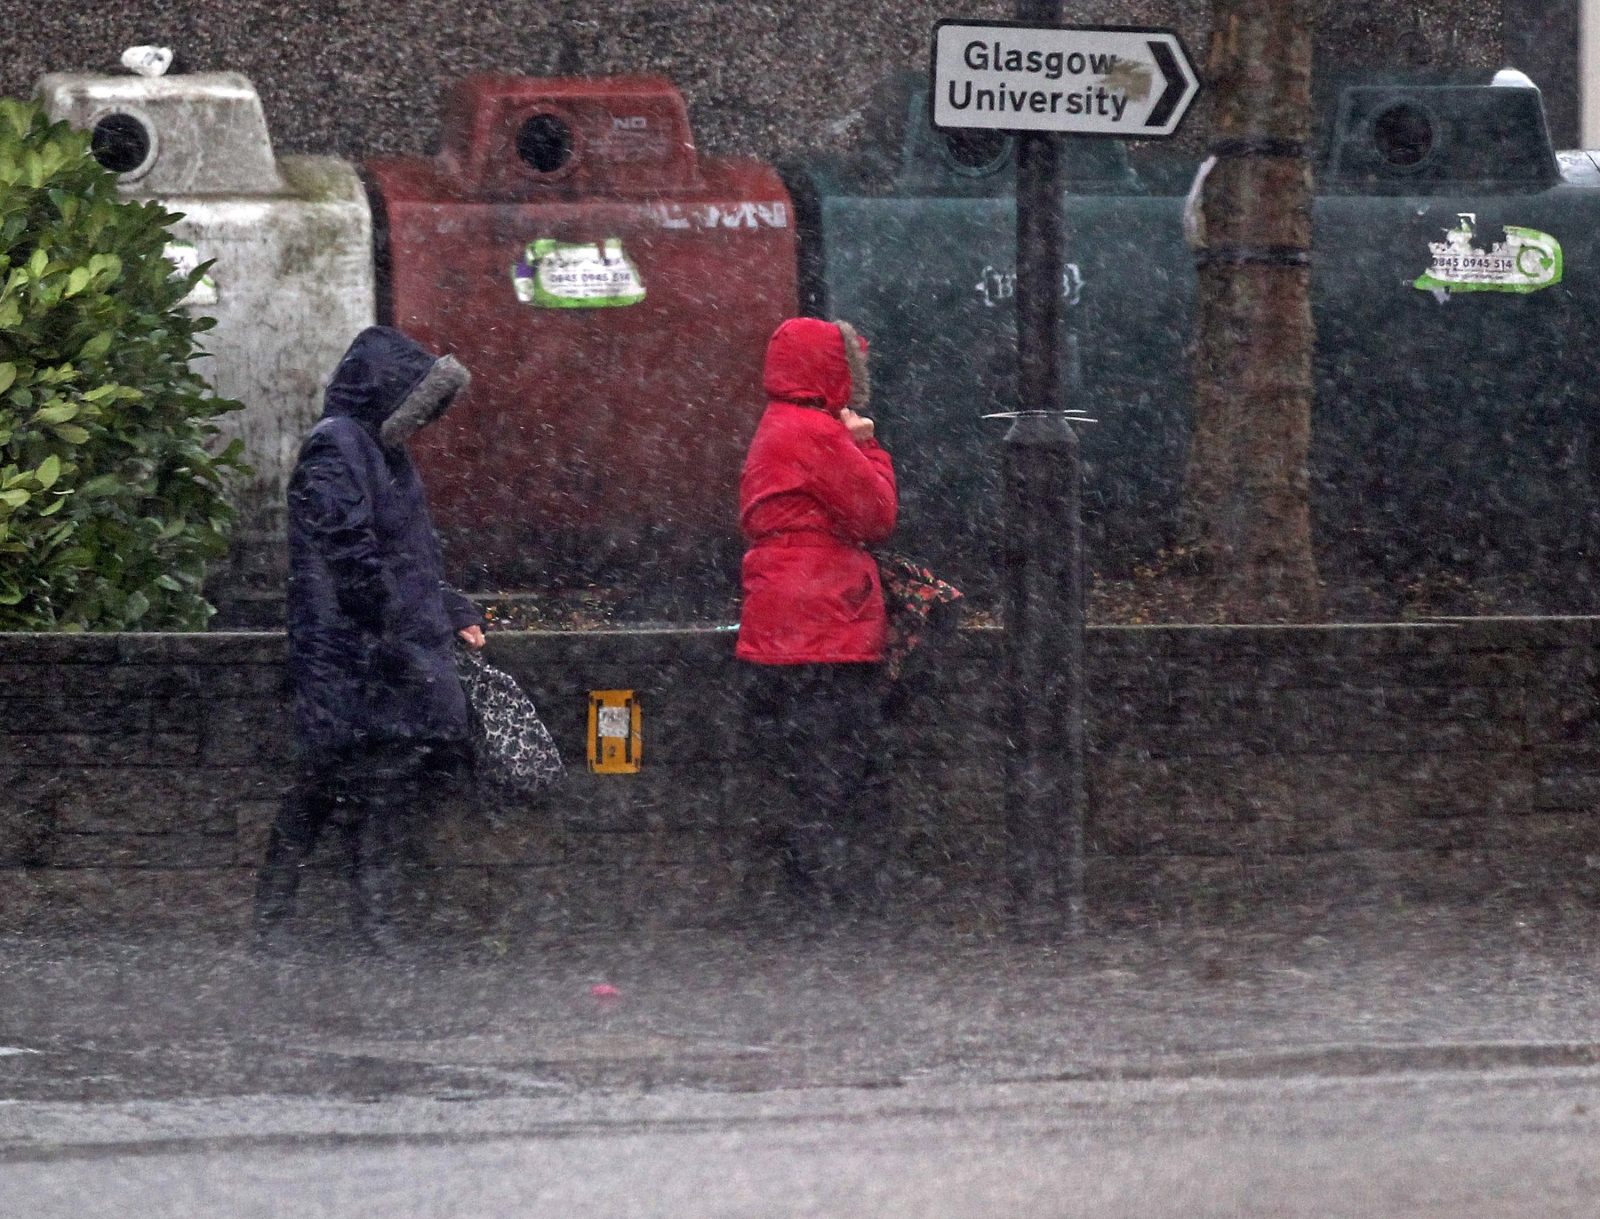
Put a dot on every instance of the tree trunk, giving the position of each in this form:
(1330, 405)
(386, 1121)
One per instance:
(1247, 516)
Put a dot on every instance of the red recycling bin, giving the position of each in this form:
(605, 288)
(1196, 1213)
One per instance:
(612, 292)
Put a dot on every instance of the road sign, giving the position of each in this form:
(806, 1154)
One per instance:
(1108, 80)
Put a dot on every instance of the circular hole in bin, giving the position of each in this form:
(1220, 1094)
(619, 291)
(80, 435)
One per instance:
(120, 142)
(544, 143)
(1403, 134)
(977, 152)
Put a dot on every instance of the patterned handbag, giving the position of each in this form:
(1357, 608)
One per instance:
(512, 750)
(910, 593)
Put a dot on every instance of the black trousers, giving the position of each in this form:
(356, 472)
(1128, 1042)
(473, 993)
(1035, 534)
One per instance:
(818, 728)
(372, 796)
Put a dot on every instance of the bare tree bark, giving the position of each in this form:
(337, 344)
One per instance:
(1247, 495)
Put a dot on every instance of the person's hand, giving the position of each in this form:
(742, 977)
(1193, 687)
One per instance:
(472, 636)
(859, 426)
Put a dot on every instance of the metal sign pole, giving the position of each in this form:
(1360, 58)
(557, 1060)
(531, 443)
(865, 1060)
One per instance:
(1041, 255)
(1044, 629)
(1040, 79)
(1044, 565)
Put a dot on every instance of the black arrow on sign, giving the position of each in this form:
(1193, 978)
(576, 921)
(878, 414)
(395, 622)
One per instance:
(1177, 84)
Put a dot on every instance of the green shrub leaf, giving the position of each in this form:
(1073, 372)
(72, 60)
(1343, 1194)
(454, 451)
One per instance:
(95, 348)
(58, 413)
(106, 484)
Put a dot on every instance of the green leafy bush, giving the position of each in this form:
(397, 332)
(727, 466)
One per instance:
(110, 502)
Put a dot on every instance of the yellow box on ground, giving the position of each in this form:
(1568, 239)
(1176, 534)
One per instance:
(613, 732)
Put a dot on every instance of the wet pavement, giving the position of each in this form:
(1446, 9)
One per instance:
(856, 1006)
(1478, 1024)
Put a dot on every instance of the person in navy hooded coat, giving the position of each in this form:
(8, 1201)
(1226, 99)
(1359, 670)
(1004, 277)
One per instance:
(380, 717)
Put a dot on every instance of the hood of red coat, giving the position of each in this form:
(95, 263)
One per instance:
(805, 363)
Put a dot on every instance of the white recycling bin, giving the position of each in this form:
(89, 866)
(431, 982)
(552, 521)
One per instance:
(292, 283)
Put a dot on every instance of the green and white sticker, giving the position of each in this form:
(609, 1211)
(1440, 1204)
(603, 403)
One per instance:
(1525, 261)
(556, 275)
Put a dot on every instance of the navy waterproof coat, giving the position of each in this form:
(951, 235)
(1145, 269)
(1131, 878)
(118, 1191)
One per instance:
(371, 624)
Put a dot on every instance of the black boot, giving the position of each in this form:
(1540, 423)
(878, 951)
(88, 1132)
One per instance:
(375, 894)
(293, 835)
(276, 886)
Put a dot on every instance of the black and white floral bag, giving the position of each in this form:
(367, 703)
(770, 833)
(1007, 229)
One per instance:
(512, 750)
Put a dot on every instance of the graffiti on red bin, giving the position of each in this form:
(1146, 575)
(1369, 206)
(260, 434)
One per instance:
(749, 215)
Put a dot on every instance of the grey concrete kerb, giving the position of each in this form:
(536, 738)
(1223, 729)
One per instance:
(54, 1132)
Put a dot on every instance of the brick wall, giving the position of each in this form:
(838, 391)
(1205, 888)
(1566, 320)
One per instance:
(1229, 765)
(136, 771)
(1449, 759)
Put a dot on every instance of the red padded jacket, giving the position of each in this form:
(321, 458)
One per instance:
(810, 500)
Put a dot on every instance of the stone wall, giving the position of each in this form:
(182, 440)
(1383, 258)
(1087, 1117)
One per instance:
(362, 77)
(1229, 765)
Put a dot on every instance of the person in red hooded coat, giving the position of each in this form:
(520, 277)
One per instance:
(817, 489)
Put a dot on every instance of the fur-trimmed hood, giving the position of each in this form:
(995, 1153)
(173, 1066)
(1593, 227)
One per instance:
(392, 386)
(810, 363)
